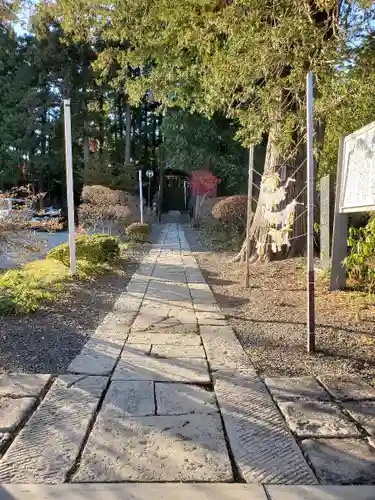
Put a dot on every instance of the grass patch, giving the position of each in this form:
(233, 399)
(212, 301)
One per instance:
(24, 290)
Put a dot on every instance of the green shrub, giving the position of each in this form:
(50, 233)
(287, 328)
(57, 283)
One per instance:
(95, 249)
(360, 263)
(23, 289)
(137, 232)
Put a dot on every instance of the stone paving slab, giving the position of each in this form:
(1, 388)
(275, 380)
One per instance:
(263, 448)
(173, 327)
(148, 317)
(180, 399)
(287, 388)
(362, 412)
(47, 447)
(348, 388)
(171, 448)
(208, 318)
(128, 303)
(178, 351)
(129, 399)
(115, 326)
(98, 357)
(320, 492)
(317, 419)
(139, 367)
(341, 461)
(91, 384)
(141, 349)
(224, 352)
(14, 411)
(23, 384)
(139, 491)
(4, 440)
(164, 338)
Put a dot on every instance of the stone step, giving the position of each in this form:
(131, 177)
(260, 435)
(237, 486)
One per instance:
(192, 491)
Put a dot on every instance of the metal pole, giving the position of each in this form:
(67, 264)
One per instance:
(149, 194)
(69, 185)
(249, 212)
(185, 195)
(310, 215)
(140, 194)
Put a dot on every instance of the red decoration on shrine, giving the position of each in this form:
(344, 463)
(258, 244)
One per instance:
(93, 145)
(204, 182)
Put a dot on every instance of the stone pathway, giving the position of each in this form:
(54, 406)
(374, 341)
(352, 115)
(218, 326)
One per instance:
(163, 393)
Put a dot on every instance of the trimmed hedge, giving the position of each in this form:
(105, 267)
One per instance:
(95, 248)
(138, 232)
(231, 212)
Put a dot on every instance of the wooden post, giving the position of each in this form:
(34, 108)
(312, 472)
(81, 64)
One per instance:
(310, 215)
(340, 232)
(249, 212)
(69, 185)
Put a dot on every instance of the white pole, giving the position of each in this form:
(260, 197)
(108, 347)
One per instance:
(69, 185)
(310, 215)
(140, 194)
(249, 212)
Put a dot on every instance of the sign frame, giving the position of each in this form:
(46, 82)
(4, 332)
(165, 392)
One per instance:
(350, 143)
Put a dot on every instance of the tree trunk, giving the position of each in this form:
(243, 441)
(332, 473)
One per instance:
(101, 125)
(128, 124)
(86, 149)
(287, 166)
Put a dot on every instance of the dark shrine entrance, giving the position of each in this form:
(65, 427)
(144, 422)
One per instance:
(176, 190)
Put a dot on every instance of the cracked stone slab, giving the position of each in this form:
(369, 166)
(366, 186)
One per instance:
(348, 388)
(168, 448)
(341, 461)
(176, 328)
(317, 419)
(133, 398)
(147, 318)
(163, 338)
(139, 367)
(185, 314)
(262, 447)
(14, 411)
(208, 318)
(289, 388)
(98, 357)
(23, 384)
(362, 412)
(180, 399)
(178, 351)
(94, 385)
(47, 447)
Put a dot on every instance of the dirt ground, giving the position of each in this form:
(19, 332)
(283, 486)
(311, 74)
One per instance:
(270, 317)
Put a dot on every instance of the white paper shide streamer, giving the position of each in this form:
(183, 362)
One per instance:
(281, 221)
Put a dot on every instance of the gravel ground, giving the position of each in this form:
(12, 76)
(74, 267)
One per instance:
(270, 317)
(47, 340)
